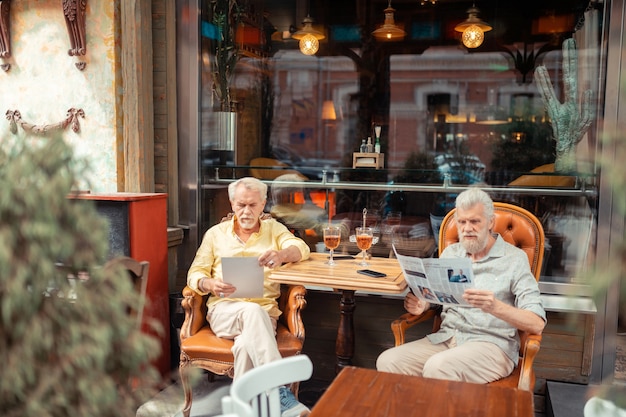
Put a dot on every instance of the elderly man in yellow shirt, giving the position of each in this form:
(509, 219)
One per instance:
(250, 322)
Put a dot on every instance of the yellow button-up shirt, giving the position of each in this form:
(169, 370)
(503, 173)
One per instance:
(220, 241)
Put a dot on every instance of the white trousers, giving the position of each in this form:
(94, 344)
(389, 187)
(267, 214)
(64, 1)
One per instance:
(478, 362)
(252, 330)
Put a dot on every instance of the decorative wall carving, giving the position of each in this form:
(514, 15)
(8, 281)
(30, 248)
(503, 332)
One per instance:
(5, 33)
(74, 11)
(15, 118)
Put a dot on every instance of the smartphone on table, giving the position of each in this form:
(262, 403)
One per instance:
(371, 273)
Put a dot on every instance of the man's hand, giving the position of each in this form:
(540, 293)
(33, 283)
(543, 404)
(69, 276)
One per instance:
(415, 305)
(521, 319)
(483, 299)
(217, 287)
(274, 258)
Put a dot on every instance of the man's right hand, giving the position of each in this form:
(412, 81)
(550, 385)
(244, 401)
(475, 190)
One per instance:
(217, 287)
(415, 305)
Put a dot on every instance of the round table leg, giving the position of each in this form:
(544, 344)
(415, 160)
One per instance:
(344, 348)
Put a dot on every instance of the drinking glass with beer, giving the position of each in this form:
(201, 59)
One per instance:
(364, 239)
(332, 237)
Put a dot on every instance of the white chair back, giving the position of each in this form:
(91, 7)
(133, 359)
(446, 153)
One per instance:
(255, 393)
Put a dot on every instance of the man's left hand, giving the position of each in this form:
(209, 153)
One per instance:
(483, 299)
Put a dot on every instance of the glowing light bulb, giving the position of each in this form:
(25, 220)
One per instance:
(309, 45)
(473, 36)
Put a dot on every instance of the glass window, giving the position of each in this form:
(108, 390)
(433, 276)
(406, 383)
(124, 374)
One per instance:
(441, 114)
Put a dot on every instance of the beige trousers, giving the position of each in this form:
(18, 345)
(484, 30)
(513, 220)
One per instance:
(478, 362)
(252, 330)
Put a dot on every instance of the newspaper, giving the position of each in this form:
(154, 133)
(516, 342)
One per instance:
(438, 281)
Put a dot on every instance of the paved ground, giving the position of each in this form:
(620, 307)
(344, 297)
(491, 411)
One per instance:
(207, 398)
(169, 402)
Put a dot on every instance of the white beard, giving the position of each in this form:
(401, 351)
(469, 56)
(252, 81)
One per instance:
(247, 223)
(474, 246)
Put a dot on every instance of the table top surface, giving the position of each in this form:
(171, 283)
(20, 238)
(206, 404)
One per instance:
(367, 392)
(343, 276)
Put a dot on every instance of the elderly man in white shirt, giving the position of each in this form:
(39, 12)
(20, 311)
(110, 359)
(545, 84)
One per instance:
(480, 343)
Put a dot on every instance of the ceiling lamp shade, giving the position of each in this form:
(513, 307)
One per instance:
(309, 38)
(473, 29)
(389, 31)
(328, 110)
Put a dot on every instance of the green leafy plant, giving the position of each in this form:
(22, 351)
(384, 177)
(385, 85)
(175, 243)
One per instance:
(606, 274)
(419, 168)
(536, 149)
(68, 346)
(226, 20)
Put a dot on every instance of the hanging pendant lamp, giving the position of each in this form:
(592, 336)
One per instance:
(308, 37)
(473, 29)
(389, 31)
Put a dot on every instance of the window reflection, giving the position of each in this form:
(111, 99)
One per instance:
(446, 115)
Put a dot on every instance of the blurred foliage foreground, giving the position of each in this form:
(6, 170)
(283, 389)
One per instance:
(82, 355)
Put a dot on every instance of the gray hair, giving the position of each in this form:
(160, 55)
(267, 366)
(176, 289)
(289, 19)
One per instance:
(250, 183)
(279, 190)
(472, 196)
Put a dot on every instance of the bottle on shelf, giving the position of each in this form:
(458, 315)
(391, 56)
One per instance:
(370, 145)
(363, 148)
(377, 146)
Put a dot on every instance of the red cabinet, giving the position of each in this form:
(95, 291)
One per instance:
(138, 228)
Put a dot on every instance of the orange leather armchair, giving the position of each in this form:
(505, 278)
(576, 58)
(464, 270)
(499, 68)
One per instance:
(200, 347)
(522, 229)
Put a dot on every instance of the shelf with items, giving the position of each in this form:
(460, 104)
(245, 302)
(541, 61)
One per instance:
(368, 160)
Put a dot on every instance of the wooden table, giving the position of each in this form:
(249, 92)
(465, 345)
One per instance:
(366, 392)
(343, 277)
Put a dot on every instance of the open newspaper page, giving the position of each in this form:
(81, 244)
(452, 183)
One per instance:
(438, 281)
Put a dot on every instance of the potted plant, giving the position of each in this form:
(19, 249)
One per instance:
(225, 54)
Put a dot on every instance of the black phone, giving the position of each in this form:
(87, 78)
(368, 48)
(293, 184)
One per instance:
(370, 273)
(340, 257)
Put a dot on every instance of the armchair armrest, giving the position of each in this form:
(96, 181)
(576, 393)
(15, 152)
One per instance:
(291, 302)
(532, 344)
(194, 305)
(408, 320)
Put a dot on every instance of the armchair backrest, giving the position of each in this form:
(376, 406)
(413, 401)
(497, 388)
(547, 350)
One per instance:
(516, 225)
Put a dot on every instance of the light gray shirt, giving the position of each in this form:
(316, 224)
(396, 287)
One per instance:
(506, 272)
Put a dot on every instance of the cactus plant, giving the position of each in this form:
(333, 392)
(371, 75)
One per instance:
(570, 120)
